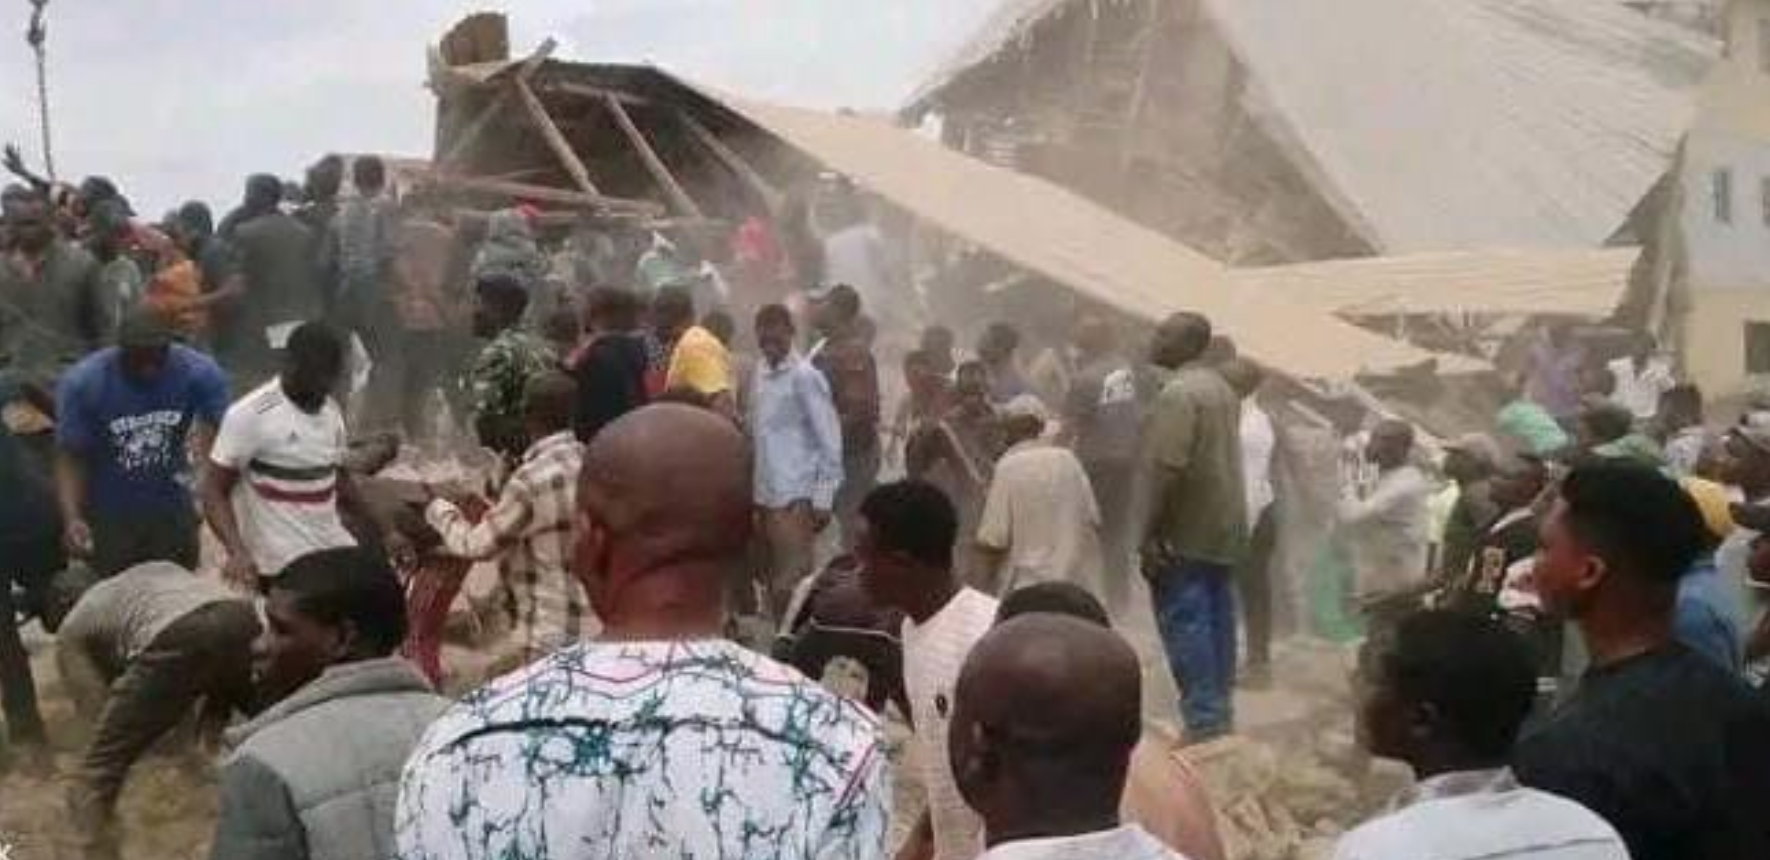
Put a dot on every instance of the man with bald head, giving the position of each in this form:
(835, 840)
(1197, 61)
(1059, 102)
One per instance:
(1046, 713)
(1194, 522)
(662, 739)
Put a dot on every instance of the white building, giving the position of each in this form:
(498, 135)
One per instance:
(1724, 219)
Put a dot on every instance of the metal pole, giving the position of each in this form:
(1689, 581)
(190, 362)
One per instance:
(37, 36)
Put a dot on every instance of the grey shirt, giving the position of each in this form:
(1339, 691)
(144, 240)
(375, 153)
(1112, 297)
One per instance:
(1102, 408)
(52, 317)
(119, 617)
(1193, 446)
(276, 259)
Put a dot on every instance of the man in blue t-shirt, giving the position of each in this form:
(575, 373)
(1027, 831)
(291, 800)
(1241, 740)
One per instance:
(122, 466)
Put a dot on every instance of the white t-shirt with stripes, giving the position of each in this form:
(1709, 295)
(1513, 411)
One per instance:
(286, 500)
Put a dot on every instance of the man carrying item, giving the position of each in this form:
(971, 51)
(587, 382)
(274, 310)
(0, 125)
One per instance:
(159, 638)
(798, 454)
(530, 528)
(1446, 694)
(316, 775)
(1195, 526)
(125, 417)
(276, 479)
(661, 739)
(1046, 713)
(1388, 529)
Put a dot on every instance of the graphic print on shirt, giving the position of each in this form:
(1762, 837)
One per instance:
(148, 442)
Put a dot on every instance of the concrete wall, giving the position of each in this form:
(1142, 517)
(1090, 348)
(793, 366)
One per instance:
(1735, 253)
(1714, 352)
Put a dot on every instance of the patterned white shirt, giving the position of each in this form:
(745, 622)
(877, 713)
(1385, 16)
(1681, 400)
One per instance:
(530, 531)
(648, 751)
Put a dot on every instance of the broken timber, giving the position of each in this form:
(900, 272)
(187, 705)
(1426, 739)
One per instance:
(653, 163)
(544, 194)
(562, 148)
(771, 196)
(471, 134)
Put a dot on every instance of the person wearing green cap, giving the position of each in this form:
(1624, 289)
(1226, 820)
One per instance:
(126, 417)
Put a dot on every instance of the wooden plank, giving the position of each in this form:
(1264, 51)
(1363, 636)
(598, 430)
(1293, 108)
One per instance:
(483, 120)
(771, 196)
(541, 194)
(653, 164)
(562, 148)
(575, 88)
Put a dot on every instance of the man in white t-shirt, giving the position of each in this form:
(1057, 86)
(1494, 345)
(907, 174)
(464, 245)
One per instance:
(1640, 378)
(275, 479)
(904, 543)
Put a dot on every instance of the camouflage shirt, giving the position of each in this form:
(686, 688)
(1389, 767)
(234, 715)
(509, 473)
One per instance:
(499, 375)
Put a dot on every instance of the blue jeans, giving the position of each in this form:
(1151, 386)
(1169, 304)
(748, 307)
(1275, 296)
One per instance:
(1195, 613)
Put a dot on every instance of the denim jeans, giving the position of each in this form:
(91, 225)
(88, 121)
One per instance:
(1195, 613)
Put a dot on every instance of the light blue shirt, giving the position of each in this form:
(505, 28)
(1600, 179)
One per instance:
(798, 436)
(1704, 617)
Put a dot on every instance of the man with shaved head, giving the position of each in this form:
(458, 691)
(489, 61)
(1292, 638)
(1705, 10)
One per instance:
(1046, 713)
(662, 739)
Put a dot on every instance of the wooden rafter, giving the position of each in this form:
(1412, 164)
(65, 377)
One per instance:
(483, 120)
(771, 196)
(542, 194)
(598, 93)
(653, 164)
(556, 141)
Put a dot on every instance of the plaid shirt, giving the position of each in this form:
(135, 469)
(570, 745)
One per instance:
(530, 531)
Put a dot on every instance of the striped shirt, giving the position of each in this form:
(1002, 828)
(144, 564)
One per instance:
(933, 653)
(530, 532)
(286, 500)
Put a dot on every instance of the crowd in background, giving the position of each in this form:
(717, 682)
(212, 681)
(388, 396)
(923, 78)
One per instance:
(676, 444)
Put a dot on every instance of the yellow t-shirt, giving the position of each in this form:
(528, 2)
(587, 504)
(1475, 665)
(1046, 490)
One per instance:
(700, 363)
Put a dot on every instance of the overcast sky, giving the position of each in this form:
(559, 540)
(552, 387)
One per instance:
(182, 98)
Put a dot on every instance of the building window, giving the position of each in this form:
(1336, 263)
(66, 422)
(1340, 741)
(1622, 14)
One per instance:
(1757, 348)
(1723, 194)
(1764, 45)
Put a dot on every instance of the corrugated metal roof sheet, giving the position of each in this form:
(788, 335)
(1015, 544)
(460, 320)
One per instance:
(1464, 124)
(1440, 125)
(1075, 242)
(1584, 283)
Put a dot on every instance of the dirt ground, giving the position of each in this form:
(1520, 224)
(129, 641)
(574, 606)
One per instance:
(1283, 790)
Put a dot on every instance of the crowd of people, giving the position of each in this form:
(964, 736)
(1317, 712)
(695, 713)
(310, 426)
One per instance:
(1564, 658)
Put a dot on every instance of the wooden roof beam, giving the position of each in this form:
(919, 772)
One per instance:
(771, 196)
(573, 88)
(483, 120)
(541, 194)
(653, 164)
(556, 141)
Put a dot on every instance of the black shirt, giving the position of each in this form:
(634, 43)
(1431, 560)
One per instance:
(1673, 751)
(611, 381)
